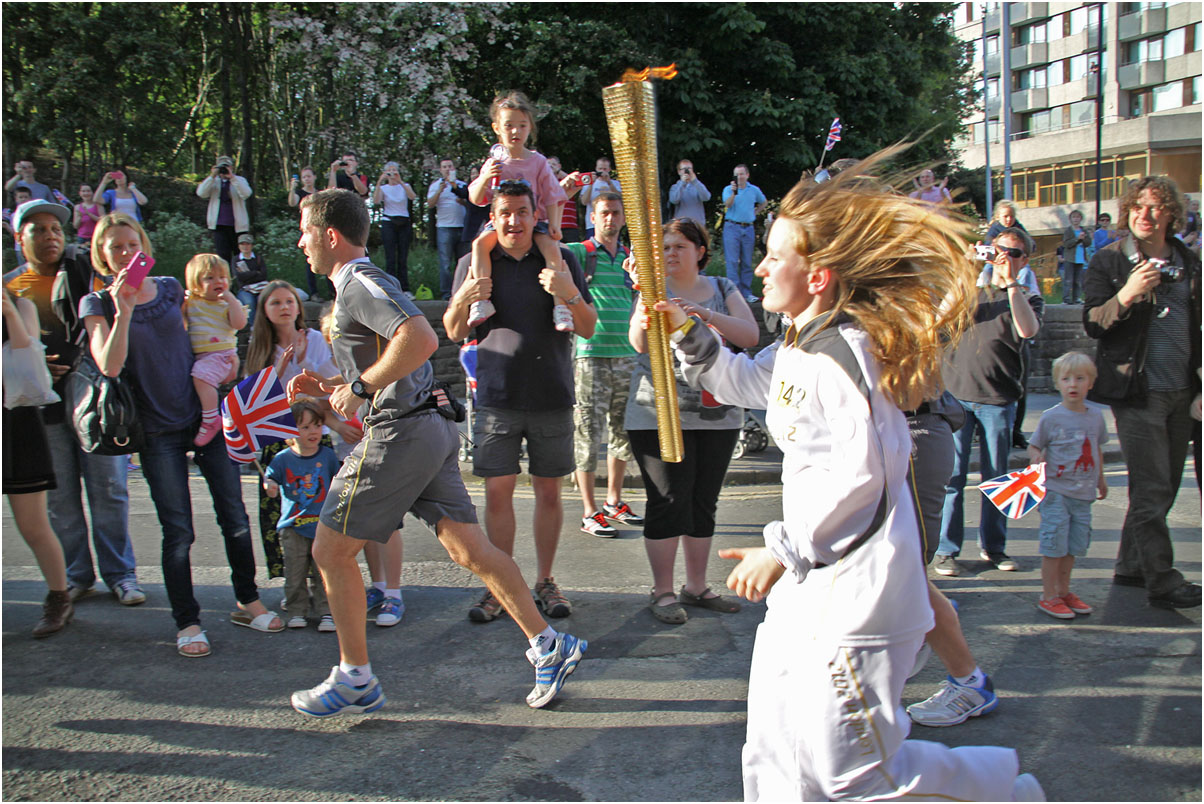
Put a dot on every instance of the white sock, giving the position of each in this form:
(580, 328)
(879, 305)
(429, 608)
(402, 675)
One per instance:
(209, 415)
(543, 641)
(380, 587)
(395, 593)
(975, 679)
(357, 675)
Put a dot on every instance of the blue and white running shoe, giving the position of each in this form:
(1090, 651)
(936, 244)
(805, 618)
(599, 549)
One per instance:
(333, 697)
(391, 612)
(553, 668)
(375, 597)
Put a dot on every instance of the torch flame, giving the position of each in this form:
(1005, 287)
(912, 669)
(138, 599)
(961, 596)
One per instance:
(650, 72)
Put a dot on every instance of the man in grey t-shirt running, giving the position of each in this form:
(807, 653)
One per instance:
(407, 461)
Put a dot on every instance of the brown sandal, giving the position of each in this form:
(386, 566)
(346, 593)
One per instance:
(673, 614)
(703, 602)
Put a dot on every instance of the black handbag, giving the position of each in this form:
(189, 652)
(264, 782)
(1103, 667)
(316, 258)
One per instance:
(102, 410)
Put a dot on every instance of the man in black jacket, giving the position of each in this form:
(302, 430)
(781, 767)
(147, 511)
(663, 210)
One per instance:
(1143, 305)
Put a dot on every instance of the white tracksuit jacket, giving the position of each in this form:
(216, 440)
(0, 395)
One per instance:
(840, 634)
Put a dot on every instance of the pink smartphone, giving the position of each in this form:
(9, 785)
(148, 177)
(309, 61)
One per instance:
(139, 269)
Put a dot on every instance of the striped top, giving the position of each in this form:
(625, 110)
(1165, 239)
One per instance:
(612, 299)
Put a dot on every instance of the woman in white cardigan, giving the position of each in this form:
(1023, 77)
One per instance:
(227, 214)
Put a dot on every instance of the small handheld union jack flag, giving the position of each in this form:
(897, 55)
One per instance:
(255, 413)
(833, 134)
(1017, 493)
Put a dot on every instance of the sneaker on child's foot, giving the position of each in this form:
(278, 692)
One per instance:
(562, 318)
(297, 621)
(595, 525)
(622, 514)
(550, 599)
(1001, 560)
(1055, 607)
(1076, 604)
(486, 610)
(374, 596)
(553, 668)
(479, 312)
(1027, 788)
(326, 624)
(128, 592)
(954, 703)
(391, 612)
(208, 430)
(333, 697)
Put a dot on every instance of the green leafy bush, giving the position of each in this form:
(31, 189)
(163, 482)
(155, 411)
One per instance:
(176, 239)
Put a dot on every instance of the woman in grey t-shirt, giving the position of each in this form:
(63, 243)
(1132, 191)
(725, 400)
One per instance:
(683, 497)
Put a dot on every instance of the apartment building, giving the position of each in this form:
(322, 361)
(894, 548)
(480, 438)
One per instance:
(1149, 63)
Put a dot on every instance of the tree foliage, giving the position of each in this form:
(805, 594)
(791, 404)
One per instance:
(166, 87)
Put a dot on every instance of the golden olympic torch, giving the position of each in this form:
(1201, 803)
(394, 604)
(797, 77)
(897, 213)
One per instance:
(631, 114)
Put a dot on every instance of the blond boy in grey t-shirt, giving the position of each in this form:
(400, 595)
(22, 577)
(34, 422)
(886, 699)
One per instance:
(1069, 438)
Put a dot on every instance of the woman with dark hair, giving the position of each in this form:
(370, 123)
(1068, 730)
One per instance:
(683, 497)
(123, 197)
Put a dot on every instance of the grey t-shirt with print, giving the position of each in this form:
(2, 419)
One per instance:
(369, 308)
(698, 409)
(1073, 445)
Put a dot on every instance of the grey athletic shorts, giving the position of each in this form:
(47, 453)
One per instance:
(401, 465)
(499, 434)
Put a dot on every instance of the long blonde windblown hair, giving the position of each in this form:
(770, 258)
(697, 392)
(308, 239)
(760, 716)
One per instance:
(902, 266)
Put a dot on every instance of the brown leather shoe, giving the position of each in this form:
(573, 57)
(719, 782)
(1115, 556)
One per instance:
(56, 613)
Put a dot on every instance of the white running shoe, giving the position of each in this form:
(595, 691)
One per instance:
(562, 318)
(479, 312)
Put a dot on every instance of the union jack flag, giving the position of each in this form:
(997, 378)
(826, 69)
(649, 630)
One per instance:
(256, 413)
(1017, 493)
(833, 134)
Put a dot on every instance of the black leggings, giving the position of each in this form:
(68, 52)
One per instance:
(683, 497)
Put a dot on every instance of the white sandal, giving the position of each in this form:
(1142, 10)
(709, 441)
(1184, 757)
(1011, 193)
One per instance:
(182, 641)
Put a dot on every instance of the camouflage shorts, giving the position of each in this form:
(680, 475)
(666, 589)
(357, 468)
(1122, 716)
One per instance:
(602, 384)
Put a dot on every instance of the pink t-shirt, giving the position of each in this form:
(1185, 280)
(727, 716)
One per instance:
(88, 225)
(534, 171)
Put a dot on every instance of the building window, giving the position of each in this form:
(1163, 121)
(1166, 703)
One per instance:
(1174, 43)
(1137, 103)
(992, 45)
(1078, 19)
(1031, 34)
(1082, 65)
(1082, 113)
(1195, 90)
(1168, 96)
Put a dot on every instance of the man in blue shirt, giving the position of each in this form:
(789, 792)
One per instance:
(742, 202)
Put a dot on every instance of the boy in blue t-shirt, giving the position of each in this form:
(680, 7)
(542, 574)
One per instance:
(302, 475)
(1069, 438)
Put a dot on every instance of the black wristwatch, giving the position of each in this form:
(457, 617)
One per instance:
(358, 388)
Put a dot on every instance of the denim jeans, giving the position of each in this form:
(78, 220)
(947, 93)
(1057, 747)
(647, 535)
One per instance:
(104, 479)
(1072, 282)
(165, 467)
(446, 238)
(738, 242)
(396, 234)
(994, 425)
(1154, 442)
(251, 301)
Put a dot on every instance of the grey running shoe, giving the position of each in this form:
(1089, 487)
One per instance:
(333, 697)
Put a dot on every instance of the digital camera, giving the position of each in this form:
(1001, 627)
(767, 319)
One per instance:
(584, 179)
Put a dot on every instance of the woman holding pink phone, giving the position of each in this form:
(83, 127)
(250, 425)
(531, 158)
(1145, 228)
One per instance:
(142, 329)
(123, 196)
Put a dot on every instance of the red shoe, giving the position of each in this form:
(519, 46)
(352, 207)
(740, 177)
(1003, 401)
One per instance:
(1076, 604)
(1054, 607)
(207, 432)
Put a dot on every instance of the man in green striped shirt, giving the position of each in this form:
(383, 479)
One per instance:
(602, 370)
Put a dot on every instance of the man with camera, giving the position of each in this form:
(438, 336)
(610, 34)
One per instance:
(1143, 305)
(227, 214)
(23, 173)
(601, 183)
(743, 202)
(343, 175)
(449, 219)
(688, 194)
(984, 373)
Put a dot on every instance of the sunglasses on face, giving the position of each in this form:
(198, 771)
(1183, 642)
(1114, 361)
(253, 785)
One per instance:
(1014, 253)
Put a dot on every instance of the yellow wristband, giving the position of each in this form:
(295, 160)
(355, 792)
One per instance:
(680, 333)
